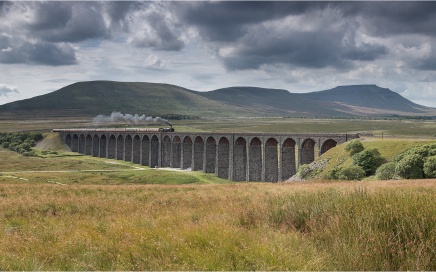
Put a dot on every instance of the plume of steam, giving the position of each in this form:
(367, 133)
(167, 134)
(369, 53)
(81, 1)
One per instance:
(116, 117)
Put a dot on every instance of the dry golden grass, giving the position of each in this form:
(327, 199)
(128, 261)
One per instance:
(244, 226)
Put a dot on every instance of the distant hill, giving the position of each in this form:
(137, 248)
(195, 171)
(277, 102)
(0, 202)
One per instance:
(102, 97)
(367, 99)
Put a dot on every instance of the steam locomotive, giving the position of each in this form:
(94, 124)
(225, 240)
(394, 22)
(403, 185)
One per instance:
(168, 129)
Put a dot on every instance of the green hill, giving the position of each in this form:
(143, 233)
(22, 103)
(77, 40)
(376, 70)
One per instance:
(103, 97)
(280, 102)
(367, 98)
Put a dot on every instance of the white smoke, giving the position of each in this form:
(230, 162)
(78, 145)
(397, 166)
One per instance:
(118, 117)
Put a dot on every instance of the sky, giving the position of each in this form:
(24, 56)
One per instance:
(296, 46)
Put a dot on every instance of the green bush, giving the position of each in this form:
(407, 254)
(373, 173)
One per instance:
(353, 172)
(354, 147)
(423, 151)
(20, 142)
(410, 167)
(430, 167)
(386, 171)
(304, 171)
(369, 159)
(334, 173)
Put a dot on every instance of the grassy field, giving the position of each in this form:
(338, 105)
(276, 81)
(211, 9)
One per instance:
(299, 226)
(74, 212)
(403, 128)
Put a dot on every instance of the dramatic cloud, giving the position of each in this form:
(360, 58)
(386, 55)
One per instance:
(20, 51)
(294, 45)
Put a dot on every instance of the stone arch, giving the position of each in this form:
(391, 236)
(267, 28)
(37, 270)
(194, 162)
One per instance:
(271, 160)
(112, 147)
(198, 153)
(240, 159)
(88, 144)
(327, 145)
(210, 155)
(154, 151)
(103, 146)
(75, 143)
(288, 159)
(68, 140)
(120, 147)
(95, 145)
(82, 144)
(145, 154)
(128, 146)
(223, 158)
(136, 149)
(166, 151)
(177, 152)
(307, 151)
(187, 153)
(255, 160)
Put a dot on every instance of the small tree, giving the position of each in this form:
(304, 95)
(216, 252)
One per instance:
(354, 147)
(368, 159)
(430, 167)
(386, 171)
(410, 167)
(353, 172)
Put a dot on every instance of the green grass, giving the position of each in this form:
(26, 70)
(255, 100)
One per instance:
(388, 148)
(402, 128)
(304, 226)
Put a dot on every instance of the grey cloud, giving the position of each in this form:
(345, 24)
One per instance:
(5, 90)
(392, 18)
(68, 21)
(226, 21)
(315, 49)
(365, 52)
(428, 64)
(119, 12)
(160, 35)
(18, 51)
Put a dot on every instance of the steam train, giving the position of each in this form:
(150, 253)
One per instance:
(168, 129)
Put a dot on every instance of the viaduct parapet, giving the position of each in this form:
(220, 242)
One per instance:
(268, 157)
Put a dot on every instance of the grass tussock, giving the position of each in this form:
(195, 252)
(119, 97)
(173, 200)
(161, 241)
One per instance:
(305, 226)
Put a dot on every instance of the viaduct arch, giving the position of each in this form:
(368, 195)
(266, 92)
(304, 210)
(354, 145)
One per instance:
(235, 156)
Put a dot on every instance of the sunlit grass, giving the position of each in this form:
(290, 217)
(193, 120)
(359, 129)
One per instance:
(304, 226)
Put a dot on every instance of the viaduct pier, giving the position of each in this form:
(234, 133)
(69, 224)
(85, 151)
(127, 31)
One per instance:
(267, 157)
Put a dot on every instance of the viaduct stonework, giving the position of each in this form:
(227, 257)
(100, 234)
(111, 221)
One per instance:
(268, 157)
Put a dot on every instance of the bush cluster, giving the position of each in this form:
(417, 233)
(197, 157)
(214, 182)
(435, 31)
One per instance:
(20, 142)
(365, 162)
(414, 163)
(354, 147)
(417, 162)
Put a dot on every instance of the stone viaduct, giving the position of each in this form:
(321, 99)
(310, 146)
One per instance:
(268, 157)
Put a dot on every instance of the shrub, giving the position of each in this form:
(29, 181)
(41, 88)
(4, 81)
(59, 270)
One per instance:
(368, 159)
(304, 171)
(410, 167)
(386, 171)
(353, 172)
(334, 173)
(430, 167)
(20, 142)
(354, 147)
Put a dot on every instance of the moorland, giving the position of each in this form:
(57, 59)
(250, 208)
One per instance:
(64, 211)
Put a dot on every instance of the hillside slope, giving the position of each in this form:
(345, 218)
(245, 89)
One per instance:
(366, 99)
(279, 101)
(103, 97)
